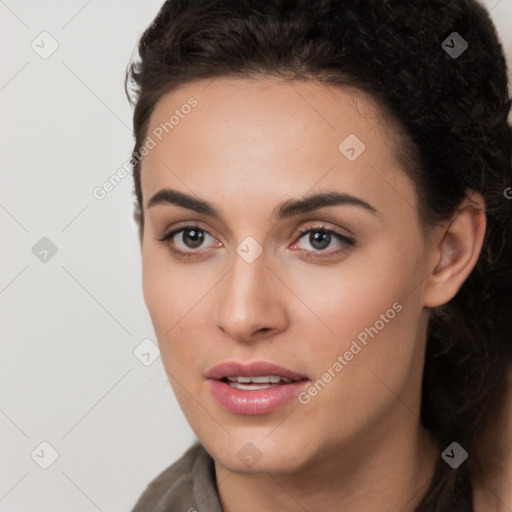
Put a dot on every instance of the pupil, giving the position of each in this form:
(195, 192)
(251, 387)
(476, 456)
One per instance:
(195, 236)
(319, 239)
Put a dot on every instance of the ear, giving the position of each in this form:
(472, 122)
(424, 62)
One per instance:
(456, 251)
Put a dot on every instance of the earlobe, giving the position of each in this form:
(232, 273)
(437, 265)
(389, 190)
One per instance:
(457, 253)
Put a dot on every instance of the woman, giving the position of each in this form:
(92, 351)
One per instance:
(321, 194)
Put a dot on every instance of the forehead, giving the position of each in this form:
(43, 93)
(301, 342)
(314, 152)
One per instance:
(287, 136)
(262, 107)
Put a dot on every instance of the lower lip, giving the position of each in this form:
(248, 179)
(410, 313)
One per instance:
(256, 401)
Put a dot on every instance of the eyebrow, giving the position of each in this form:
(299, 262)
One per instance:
(287, 209)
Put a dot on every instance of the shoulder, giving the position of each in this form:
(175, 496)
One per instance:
(184, 485)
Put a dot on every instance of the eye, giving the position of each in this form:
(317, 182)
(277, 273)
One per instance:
(319, 238)
(185, 241)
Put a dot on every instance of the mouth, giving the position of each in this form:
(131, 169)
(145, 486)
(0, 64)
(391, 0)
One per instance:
(252, 389)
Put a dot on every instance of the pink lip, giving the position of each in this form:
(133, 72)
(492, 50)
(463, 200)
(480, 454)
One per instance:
(258, 401)
(255, 369)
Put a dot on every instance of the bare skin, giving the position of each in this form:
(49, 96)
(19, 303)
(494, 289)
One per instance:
(246, 148)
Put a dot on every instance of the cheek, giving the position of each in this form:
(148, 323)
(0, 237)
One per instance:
(353, 294)
(165, 290)
(156, 289)
(173, 298)
(367, 311)
(176, 297)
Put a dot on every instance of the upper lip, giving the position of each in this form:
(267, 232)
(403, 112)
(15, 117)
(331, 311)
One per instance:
(254, 369)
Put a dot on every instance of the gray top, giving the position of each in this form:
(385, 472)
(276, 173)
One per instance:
(188, 485)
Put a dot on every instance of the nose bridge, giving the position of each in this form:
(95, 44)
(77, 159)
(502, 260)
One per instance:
(248, 302)
(246, 285)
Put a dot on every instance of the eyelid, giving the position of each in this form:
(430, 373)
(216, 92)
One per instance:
(323, 226)
(181, 226)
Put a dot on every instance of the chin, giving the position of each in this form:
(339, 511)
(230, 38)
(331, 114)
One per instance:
(258, 454)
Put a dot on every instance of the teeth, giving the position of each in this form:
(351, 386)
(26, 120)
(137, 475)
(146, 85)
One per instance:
(264, 379)
(248, 387)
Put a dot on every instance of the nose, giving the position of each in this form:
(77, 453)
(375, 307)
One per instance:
(251, 302)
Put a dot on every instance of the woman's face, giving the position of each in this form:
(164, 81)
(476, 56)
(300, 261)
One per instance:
(336, 310)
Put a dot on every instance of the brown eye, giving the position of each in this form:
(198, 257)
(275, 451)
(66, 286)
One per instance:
(189, 241)
(192, 238)
(319, 239)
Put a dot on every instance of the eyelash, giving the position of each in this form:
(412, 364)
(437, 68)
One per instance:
(348, 242)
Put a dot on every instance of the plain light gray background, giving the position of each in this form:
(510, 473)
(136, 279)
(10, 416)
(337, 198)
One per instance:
(71, 322)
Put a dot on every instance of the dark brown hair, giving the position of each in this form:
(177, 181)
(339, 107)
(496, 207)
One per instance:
(453, 112)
